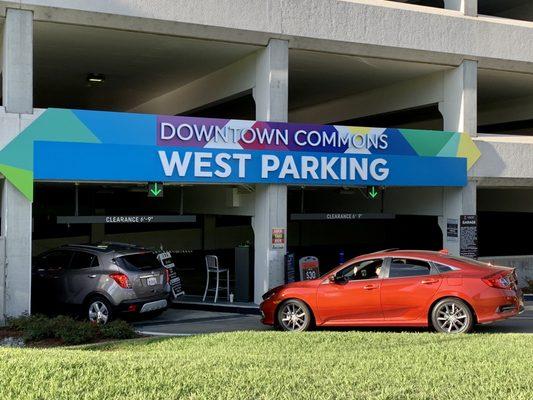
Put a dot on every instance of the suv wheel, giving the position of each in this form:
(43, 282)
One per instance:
(99, 310)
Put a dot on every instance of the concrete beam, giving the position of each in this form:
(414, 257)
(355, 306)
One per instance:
(400, 96)
(17, 62)
(504, 156)
(364, 28)
(226, 82)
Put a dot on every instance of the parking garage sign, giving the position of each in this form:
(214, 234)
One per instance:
(78, 145)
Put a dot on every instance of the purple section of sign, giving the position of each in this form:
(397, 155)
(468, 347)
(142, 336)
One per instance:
(171, 131)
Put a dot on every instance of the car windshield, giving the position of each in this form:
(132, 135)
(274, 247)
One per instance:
(139, 261)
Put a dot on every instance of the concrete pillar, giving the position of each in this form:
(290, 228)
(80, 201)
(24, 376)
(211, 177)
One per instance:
(270, 210)
(459, 104)
(16, 210)
(16, 230)
(17, 62)
(459, 112)
(456, 202)
(467, 7)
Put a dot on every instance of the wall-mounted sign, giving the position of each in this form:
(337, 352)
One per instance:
(339, 216)
(278, 238)
(79, 145)
(309, 268)
(452, 230)
(125, 219)
(468, 236)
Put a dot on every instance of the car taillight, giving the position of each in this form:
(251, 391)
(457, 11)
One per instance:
(499, 280)
(122, 280)
(167, 275)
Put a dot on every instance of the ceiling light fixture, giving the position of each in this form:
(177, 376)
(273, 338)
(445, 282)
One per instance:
(95, 79)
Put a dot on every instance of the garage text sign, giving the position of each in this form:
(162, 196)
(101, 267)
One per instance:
(84, 145)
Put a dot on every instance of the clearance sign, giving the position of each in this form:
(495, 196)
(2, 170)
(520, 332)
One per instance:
(79, 145)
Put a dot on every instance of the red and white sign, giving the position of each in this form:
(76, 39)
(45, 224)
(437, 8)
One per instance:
(278, 238)
(309, 268)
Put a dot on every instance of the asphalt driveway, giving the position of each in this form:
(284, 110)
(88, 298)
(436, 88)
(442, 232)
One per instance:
(175, 322)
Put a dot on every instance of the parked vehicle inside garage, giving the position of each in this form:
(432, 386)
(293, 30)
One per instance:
(100, 280)
(398, 288)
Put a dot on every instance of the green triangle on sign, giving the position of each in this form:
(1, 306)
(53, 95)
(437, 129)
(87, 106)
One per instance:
(22, 179)
(426, 143)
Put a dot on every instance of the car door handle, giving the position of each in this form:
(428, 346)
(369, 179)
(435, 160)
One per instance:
(428, 281)
(91, 276)
(370, 287)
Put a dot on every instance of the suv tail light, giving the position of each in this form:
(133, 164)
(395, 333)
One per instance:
(167, 275)
(122, 280)
(500, 280)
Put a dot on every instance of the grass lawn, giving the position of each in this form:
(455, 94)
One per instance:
(276, 365)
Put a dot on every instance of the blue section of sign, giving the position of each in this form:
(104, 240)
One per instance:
(120, 128)
(112, 162)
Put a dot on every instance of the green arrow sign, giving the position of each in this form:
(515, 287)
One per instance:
(372, 192)
(155, 189)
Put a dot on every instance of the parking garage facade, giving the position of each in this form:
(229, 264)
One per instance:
(179, 133)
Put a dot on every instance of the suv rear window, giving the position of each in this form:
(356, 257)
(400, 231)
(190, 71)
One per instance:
(139, 261)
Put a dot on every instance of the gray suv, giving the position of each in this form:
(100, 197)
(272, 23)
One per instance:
(102, 279)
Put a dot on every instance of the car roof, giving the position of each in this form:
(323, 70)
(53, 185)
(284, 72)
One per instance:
(408, 253)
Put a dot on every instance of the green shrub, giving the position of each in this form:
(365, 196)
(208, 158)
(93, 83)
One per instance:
(39, 327)
(34, 327)
(117, 330)
(74, 332)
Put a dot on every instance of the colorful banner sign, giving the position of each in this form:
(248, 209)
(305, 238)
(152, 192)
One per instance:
(79, 145)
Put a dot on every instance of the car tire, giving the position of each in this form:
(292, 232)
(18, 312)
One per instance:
(294, 316)
(98, 310)
(452, 315)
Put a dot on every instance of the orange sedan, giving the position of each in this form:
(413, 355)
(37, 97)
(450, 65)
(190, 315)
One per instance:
(398, 288)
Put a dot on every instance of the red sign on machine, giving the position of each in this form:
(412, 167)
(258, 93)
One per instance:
(309, 268)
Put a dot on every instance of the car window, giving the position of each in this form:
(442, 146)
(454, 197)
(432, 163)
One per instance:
(139, 261)
(404, 267)
(56, 260)
(444, 268)
(83, 260)
(368, 269)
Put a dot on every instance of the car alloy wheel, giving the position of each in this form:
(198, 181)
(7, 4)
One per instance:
(99, 312)
(452, 316)
(293, 315)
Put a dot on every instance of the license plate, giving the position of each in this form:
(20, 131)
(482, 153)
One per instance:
(152, 281)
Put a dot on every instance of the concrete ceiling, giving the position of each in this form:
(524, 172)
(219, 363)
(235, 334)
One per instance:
(500, 85)
(318, 77)
(137, 66)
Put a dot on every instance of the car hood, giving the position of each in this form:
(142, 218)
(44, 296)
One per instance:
(302, 284)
